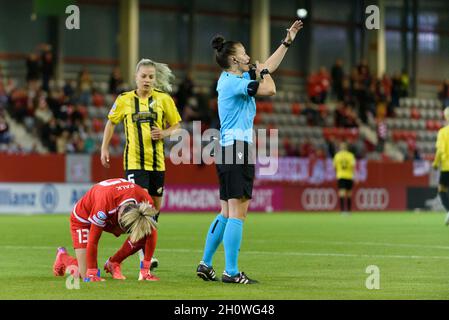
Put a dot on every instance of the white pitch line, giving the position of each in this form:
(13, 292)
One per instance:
(379, 244)
(270, 253)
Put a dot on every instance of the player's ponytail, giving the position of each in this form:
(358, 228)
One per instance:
(139, 220)
(164, 75)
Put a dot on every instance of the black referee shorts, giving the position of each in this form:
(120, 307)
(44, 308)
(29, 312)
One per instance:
(236, 174)
(345, 184)
(444, 178)
(153, 181)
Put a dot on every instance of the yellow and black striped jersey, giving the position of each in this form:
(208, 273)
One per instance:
(138, 116)
(344, 163)
(442, 149)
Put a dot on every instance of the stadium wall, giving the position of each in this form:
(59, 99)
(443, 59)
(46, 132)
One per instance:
(53, 183)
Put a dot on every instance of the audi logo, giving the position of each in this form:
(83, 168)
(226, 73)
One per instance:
(319, 199)
(372, 199)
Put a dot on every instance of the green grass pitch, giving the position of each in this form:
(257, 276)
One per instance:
(294, 256)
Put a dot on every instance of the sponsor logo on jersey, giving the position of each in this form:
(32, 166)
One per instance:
(101, 215)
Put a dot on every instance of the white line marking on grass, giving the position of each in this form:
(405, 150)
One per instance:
(380, 244)
(271, 253)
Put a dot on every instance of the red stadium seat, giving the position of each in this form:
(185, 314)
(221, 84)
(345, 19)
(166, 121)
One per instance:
(83, 111)
(414, 114)
(115, 140)
(322, 108)
(264, 106)
(97, 125)
(296, 108)
(98, 100)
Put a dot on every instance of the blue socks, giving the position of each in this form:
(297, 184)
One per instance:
(232, 239)
(214, 238)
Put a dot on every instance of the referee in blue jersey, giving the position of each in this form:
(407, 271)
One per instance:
(237, 87)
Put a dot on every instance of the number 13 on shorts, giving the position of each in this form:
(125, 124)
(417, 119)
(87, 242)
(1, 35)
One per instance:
(83, 235)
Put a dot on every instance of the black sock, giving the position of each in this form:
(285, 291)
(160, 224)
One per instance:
(348, 203)
(444, 200)
(156, 216)
(342, 204)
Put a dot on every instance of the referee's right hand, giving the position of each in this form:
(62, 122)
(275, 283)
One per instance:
(105, 158)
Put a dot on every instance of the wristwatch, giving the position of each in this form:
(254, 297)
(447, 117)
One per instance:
(264, 72)
(286, 44)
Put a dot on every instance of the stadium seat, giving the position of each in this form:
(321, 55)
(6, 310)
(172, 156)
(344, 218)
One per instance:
(98, 100)
(413, 125)
(296, 108)
(302, 120)
(415, 114)
(97, 125)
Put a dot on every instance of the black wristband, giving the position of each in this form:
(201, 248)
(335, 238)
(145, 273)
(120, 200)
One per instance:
(286, 44)
(264, 72)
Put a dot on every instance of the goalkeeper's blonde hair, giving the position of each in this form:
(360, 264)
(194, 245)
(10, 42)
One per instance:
(164, 75)
(138, 220)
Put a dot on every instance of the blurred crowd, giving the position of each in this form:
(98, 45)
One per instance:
(59, 114)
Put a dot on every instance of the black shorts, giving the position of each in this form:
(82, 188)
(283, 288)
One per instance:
(345, 184)
(153, 181)
(444, 178)
(236, 177)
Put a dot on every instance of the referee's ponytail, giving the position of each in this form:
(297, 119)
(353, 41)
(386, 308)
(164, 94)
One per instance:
(223, 49)
(164, 75)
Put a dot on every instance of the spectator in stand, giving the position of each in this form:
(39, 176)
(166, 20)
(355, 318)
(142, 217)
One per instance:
(116, 81)
(345, 116)
(185, 93)
(18, 107)
(5, 136)
(385, 87)
(306, 149)
(382, 134)
(318, 86)
(47, 67)
(324, 80)
(197, 109)
(405, 83)
(347, 95)
(313, 88)
(84, 87)
(443, 93)
(291, 149)
(77, 142)
(90, 145)
(312, 114)
(3, 96)
(55, 101)
(63, 143)
(351, 120)
(331, 147)
(337, 74)
(69, 91)
(395, 91)
(42, 114)
(33, 68)
(50, 133)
